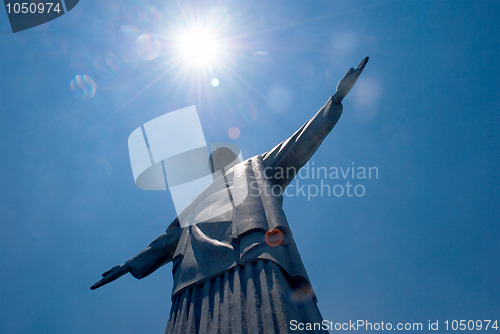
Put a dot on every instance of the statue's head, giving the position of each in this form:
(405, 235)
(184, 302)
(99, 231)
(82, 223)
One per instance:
(222, 159)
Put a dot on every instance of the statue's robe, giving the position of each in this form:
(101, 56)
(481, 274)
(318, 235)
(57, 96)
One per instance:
(226, 276)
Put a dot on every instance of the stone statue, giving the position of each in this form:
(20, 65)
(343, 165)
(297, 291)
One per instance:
(241, 272)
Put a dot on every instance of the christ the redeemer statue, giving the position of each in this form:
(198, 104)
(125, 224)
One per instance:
(241, 272)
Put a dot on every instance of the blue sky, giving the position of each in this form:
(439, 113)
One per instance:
(421, 244)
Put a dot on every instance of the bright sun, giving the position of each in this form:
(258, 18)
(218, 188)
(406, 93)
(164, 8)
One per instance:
(199, 47)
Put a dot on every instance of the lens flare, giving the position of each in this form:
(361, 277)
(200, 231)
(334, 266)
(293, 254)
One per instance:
(274, 237)
(148, 47)
(83, 87)
(233, 132)
(214, 82)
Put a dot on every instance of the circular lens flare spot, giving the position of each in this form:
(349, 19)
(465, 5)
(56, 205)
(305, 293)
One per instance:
(233, 132)
(274, 237)
(199, 46)
(214, 82)
(83, 87)
(148, 47)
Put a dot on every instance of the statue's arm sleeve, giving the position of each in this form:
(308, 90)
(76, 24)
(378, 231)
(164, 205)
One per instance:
(285, 160)
(158, 253)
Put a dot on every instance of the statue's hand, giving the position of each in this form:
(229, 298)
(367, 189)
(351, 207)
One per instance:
(111, 275)
(348, 81)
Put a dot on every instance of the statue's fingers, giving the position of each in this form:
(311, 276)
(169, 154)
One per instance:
(362, 65)
(348, 74)
(104, 281)
(110, 270)
(359, 69)
(345, 79)
(96, 285)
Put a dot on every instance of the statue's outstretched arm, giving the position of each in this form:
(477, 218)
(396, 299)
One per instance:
(158, 253)
(286, 158)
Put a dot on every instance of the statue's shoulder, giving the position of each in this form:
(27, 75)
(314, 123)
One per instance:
(253, 162)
